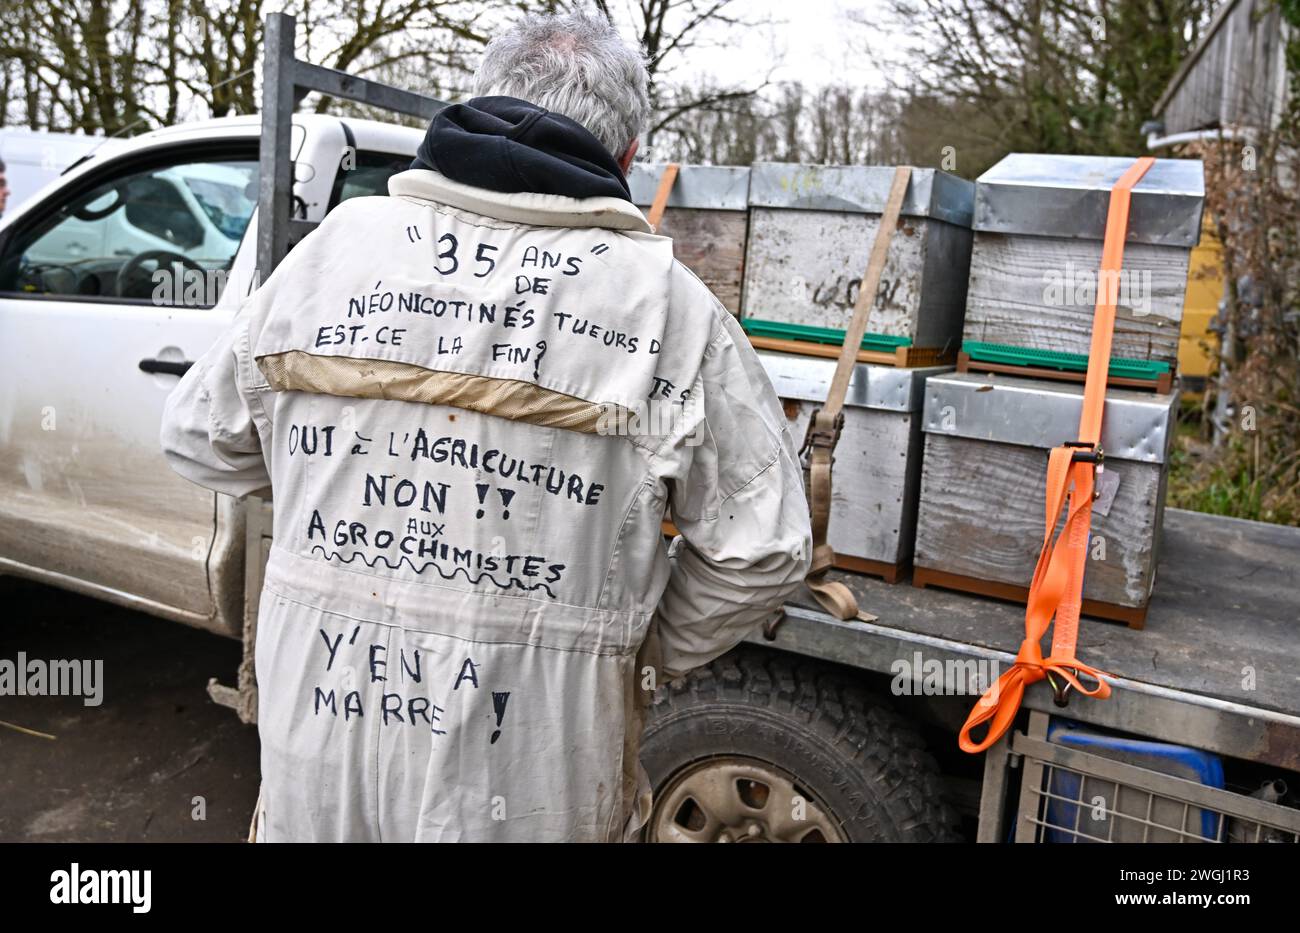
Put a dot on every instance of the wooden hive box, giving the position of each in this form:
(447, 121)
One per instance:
(877, 471)
(1039, 224)
(707, 219)
(811, 231)
(983, 483)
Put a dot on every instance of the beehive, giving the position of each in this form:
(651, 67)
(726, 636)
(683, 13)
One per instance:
(980, 519)
(1039, 222)
(810, 234)
(707, 218)
(877, 469)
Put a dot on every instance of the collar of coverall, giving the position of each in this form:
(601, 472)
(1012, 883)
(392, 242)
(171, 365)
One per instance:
(502, 155)
(524, 207)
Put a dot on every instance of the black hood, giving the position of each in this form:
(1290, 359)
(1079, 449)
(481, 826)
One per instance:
(506, 144)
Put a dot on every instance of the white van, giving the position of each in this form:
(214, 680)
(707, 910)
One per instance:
(34, 158)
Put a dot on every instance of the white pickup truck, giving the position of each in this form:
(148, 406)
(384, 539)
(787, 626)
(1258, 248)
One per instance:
(92, 339)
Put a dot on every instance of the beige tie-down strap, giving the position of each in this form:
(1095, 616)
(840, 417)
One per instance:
(826, 422)
(666, 182)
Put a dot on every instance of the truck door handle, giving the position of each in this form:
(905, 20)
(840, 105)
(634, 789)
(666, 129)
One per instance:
(171, 367)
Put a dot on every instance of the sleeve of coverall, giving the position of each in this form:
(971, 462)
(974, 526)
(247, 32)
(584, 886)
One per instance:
(209, 426)
(739, 503)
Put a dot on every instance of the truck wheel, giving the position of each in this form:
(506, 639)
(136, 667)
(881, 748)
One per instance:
(757, 747)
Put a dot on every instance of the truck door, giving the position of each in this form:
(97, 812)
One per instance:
(107, 291)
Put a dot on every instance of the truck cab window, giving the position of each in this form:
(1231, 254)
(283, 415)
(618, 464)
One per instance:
(166, 234)
(366, 173)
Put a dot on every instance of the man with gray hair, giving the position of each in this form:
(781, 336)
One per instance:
(476, 400)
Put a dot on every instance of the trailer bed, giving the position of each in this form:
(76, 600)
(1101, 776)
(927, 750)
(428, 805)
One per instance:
(1217, 666)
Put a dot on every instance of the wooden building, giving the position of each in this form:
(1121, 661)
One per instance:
(1236, 76)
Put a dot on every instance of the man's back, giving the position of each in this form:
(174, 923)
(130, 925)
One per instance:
(474, 407)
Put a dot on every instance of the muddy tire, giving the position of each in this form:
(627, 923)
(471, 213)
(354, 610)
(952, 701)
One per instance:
(760, 747)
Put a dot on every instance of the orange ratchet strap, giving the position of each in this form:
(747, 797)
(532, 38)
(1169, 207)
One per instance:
(1057, 587)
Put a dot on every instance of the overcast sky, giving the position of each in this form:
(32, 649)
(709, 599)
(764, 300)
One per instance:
(814, 38)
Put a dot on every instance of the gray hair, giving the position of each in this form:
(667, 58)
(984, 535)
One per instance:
(575, 65)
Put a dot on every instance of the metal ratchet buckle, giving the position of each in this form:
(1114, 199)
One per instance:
(817, 438)
(1089, 453)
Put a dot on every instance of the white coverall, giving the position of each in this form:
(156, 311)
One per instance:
(469, 598)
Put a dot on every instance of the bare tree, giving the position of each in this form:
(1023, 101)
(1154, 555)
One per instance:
(835, 124)
(1045, 75)
(672, 32)
(82, 64)
(125, 66)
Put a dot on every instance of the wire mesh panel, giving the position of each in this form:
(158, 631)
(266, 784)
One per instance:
(1076, 807)
(1068, 795)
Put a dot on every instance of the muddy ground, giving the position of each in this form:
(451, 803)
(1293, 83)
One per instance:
(132, 768)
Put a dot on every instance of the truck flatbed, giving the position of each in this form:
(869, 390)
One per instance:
(1217, 666)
